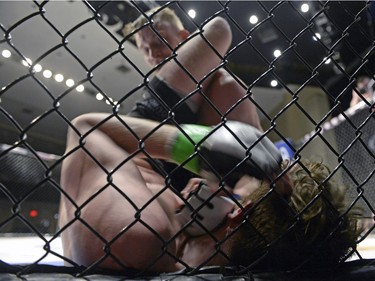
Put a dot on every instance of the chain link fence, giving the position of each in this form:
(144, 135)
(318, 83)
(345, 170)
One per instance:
(63, 59)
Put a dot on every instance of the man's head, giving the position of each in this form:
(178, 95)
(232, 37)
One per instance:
(166, 24)
(362, 83)
(365, 87)
(313, 225)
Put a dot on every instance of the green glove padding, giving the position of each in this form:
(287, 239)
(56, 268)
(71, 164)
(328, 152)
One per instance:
(184, 146)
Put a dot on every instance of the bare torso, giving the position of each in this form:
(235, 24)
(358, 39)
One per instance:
(101, 224)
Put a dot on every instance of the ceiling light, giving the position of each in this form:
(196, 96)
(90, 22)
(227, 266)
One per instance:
(69, 82)
(192, 13)
(305, 8)
(277, 53)
(47, 73)
(59, 77)
(317, 36)
(37, 68)
(274, 83)
(253, 19)
(99, 96)
(6, 54)
(27, 62)
(80, 88)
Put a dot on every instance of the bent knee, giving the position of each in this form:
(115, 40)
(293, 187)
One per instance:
(220, 28)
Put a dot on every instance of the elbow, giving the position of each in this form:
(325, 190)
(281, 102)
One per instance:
(82, 123)
(77, 127)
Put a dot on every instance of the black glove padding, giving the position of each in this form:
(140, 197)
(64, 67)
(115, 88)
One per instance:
(236, 149)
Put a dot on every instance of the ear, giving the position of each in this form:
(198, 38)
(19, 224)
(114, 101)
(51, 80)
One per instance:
(237, 216)
(183, 34)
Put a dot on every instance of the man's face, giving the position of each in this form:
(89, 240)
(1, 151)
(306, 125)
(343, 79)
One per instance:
(152, 47)
(363, 85)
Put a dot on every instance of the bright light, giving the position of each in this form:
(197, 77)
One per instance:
(327, 61)
(59, 77)
(305, 8)
(27, 62)
(69, 82)
(192, 13)
(107, 101)
(37, 68)
(99, 96)
(6, 54)
(253, 19)
(277, 53)
(33, 213)
(80, 88)
(317, 36)
(47, 73)
(274, 83)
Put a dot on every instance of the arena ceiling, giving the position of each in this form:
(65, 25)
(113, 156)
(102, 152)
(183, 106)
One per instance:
(345, 32)
(54, 34)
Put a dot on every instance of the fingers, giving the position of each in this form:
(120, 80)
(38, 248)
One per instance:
(191, 186)
(246, 186)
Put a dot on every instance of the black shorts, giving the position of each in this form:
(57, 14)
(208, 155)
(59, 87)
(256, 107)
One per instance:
(161, 103)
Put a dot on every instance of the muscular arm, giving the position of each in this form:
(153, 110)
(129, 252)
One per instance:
(130, 133)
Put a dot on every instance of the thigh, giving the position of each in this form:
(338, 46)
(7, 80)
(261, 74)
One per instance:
(227, 94)
(197, 57)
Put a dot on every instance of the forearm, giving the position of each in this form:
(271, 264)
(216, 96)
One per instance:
(131, 134)
(219, 148)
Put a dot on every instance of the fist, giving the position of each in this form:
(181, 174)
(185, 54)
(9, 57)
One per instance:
(235, 149)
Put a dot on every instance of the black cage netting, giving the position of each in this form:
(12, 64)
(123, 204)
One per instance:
(300, 71)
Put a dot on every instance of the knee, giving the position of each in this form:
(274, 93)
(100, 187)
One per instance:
(220, 29)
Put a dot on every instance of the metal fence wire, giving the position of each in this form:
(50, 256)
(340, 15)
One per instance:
(62, 59)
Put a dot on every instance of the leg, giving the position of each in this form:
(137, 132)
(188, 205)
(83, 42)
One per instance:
(197, 57)
(224, 92)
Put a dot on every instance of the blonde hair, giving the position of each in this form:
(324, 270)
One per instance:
(313, 227)
(156, 15)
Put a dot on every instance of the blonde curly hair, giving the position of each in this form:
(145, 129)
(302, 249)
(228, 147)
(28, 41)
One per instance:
(314, 226)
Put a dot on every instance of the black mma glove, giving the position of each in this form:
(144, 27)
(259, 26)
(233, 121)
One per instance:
(230, 151)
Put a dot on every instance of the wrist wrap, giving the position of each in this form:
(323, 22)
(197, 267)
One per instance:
(184, 146)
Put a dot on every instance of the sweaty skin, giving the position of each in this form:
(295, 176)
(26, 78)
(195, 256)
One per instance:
(198, 58)
(116, 199)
